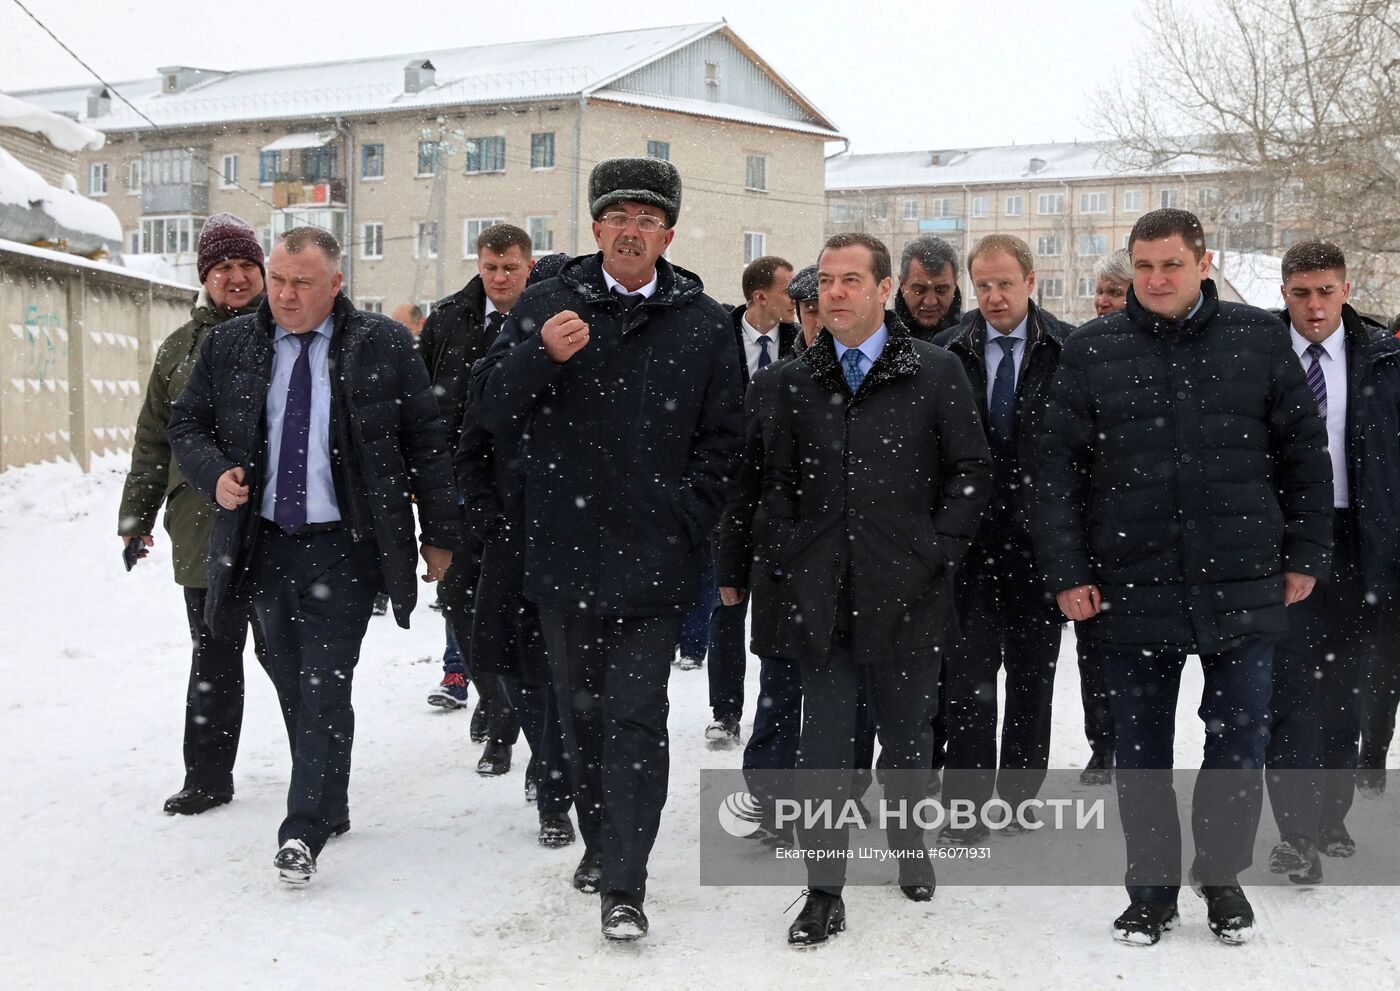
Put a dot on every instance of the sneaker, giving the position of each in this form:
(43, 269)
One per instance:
(1099, 770)
(623, 918)
(294, 862)
(690, 663)
(1336, 841)
(381, 604)
(723, 732)
(451, 693)
(1142, 923)
(1228, 912)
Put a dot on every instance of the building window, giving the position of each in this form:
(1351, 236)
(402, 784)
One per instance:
(1012, 206)
(541, 233)
(756, 172)
(1169, 199)
(425, 239)
(879, 210)
(372, 161)
(371, 240)
(1086, 287)
(427, 158)
(659, 149)
(1048, 204)
(265, 239)
(228, 172)
(97, 179)
(319, 164)
(133, 177)
(979, 206)
(1052, 288)
(712, 77)
(1126, 238)
(911, 209)
(754, 246)
(1049, 245)
(542, 150)
(170, 235)
(1093, 244)
(841, 212)
(471, 230)
(133, 242)
(1132, 200)
(486, 154)
(268, 164)
(372, 305)
(1093, 202)
(1207, 197)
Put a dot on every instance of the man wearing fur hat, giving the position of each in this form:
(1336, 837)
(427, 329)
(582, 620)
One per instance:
(230, 263)
(625, 378)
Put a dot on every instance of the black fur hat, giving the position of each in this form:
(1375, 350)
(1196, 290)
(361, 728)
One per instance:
(652, 181)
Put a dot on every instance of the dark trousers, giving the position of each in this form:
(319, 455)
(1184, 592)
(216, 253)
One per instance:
(901, 697)
(777, 723)
(694, 640)
(1381, 690)
(938, 756)
(457, 593)
(214, 699)
(313, 595)
(610, 679)
(1143, 688)
(1093, 692)
(538, 711)
(728, 661)
(1004, 623)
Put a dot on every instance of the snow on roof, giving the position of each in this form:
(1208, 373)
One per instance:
(525, 70)
(25, 191)
(61, 132)
(719, 111)
(1256, 277)
(134, 272)
(1008, 163)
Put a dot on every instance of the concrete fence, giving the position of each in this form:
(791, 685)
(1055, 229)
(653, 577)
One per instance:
(77, 342)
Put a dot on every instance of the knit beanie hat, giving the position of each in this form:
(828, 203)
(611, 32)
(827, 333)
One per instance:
(224, 237)
(652, 181)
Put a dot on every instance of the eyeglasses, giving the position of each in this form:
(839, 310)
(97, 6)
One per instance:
(646, 223)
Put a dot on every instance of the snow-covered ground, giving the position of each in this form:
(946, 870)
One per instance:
(441, 884)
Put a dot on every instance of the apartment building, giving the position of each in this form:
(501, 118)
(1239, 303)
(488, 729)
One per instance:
(407, 157)
(1072, 203)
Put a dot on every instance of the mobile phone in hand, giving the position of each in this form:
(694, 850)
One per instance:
(134, 551)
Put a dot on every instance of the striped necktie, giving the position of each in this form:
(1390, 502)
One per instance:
(1316, 379)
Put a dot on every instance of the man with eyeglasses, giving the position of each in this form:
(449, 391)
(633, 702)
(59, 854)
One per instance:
(624, 377)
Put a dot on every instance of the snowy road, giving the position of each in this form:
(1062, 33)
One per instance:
(441, 884)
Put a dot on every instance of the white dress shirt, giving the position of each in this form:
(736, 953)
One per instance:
(645, 292)
(871, 347)
(993, 353)
(752, 350)
(1334, 373)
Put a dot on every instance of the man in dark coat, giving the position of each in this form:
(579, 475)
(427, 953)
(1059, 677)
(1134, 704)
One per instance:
(763, 333)
(1009, 349)
(623, 375)
(876, 480)
(1184, 503)
(929, 300)
(1353, 369)
(457, 334)
(230, 265)
(313, 427)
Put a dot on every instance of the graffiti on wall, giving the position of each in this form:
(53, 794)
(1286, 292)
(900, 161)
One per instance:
(44, 343)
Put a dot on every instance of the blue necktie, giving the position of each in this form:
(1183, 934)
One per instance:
(764, 358)
(1003, 392)
(854, 376)
(1316, 379)
(289, 510)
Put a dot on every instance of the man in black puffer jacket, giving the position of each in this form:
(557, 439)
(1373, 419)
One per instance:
(929, 301)
(1009, 348)
(622, 375)
(312, 426)
(1185, 500)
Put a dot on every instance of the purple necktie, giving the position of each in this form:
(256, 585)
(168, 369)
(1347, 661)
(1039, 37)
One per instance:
(289, 512)
(1316, 378)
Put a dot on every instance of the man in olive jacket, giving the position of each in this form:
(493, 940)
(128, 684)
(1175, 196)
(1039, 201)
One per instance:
(876, 481)
(1185, 502)
(230, 265)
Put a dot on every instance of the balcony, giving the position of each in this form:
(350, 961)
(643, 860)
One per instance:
(289, 190)
(175, 181)
(932, 224)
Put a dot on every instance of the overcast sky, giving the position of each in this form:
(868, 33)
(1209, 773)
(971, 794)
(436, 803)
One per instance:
(891, 75)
